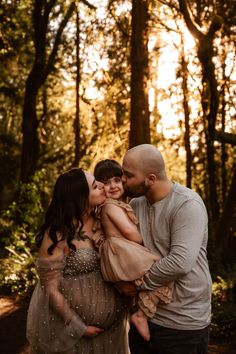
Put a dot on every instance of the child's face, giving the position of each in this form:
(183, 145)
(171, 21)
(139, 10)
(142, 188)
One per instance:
(113, 188)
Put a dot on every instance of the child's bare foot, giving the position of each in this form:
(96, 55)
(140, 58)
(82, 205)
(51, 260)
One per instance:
(139, 320)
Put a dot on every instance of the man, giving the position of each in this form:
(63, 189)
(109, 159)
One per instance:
(173, 221)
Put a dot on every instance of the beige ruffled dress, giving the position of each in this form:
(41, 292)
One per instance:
(125, 260)
(57, 320)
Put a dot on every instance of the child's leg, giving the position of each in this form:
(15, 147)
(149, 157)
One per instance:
(139, 320)
(147, 302)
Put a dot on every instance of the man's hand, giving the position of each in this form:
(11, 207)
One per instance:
(127, 288)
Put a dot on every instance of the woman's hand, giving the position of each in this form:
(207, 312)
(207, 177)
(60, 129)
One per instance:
(93, 331)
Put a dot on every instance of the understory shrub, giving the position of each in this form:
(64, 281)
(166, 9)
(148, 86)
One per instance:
(224, 307)
(19, 225)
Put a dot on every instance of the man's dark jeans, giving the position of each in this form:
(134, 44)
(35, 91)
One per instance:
(169, 341)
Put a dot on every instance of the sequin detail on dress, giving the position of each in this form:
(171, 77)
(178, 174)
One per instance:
(81, 261)
(88, 297)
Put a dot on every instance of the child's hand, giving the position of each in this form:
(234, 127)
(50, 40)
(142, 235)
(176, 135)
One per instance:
(128, 288)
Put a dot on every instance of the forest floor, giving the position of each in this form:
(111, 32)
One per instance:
(13, 326)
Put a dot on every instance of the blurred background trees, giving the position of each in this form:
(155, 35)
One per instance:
(85, 80)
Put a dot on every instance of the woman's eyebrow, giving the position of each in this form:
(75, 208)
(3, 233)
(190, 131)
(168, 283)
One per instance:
(94, 181)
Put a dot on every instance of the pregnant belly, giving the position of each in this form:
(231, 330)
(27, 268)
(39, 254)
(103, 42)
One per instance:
(95, 301)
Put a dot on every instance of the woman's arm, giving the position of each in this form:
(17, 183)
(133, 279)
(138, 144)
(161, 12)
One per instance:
(50, 281)
(50, 268)
(116, 216)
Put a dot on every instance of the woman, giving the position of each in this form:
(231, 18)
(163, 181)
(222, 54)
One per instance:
(72, 309)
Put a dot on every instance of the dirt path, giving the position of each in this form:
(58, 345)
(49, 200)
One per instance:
(13, 327)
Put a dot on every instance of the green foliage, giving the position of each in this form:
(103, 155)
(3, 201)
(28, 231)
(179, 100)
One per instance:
(18, 275)
(224, 307)
(20, 222)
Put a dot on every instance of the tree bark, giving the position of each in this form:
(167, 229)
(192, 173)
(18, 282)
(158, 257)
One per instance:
(139, 116)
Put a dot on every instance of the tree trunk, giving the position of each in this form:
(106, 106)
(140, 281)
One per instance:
(227, 223)
(223, 147)
(77, 112)
(139, 120)
(210, 99)
(30, 148)
(42, 67)
(187, 145)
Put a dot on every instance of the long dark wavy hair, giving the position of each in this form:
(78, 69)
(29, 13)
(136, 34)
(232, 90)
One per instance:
(68, 204)
(106, 169)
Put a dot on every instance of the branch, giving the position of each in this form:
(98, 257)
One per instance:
(170, 4)
(215, 26)
(192, 27)
(90, 6)
(57, 42)
(224, 137)
(119, 25)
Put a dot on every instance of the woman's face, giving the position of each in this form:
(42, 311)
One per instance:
(96, 191)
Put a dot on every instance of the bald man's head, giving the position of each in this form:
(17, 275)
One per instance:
(147, 159)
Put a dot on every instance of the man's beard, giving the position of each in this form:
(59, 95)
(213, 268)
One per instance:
(137, 191)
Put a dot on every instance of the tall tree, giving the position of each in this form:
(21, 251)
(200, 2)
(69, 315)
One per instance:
(42, 66)
(139, 116)
(210, 96)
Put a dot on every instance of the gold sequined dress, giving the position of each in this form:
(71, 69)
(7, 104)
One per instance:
(83, 298)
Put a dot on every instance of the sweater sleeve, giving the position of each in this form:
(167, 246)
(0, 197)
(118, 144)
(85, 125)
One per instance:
(187, 231)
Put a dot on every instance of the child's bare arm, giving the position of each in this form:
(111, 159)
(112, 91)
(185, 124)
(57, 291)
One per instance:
(121, 221)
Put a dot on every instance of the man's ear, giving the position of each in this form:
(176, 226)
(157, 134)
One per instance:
(150, 179)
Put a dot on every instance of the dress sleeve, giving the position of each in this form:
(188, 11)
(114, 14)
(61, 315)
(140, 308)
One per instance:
(51, 322)
(126, 207)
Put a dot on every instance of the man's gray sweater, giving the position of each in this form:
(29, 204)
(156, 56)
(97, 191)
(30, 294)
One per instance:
(177, 227)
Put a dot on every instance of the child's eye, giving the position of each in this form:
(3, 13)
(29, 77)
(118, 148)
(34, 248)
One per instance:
(117, 179)
(105, 183)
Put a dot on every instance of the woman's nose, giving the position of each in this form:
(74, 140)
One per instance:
(123, 178)
(100, 185)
